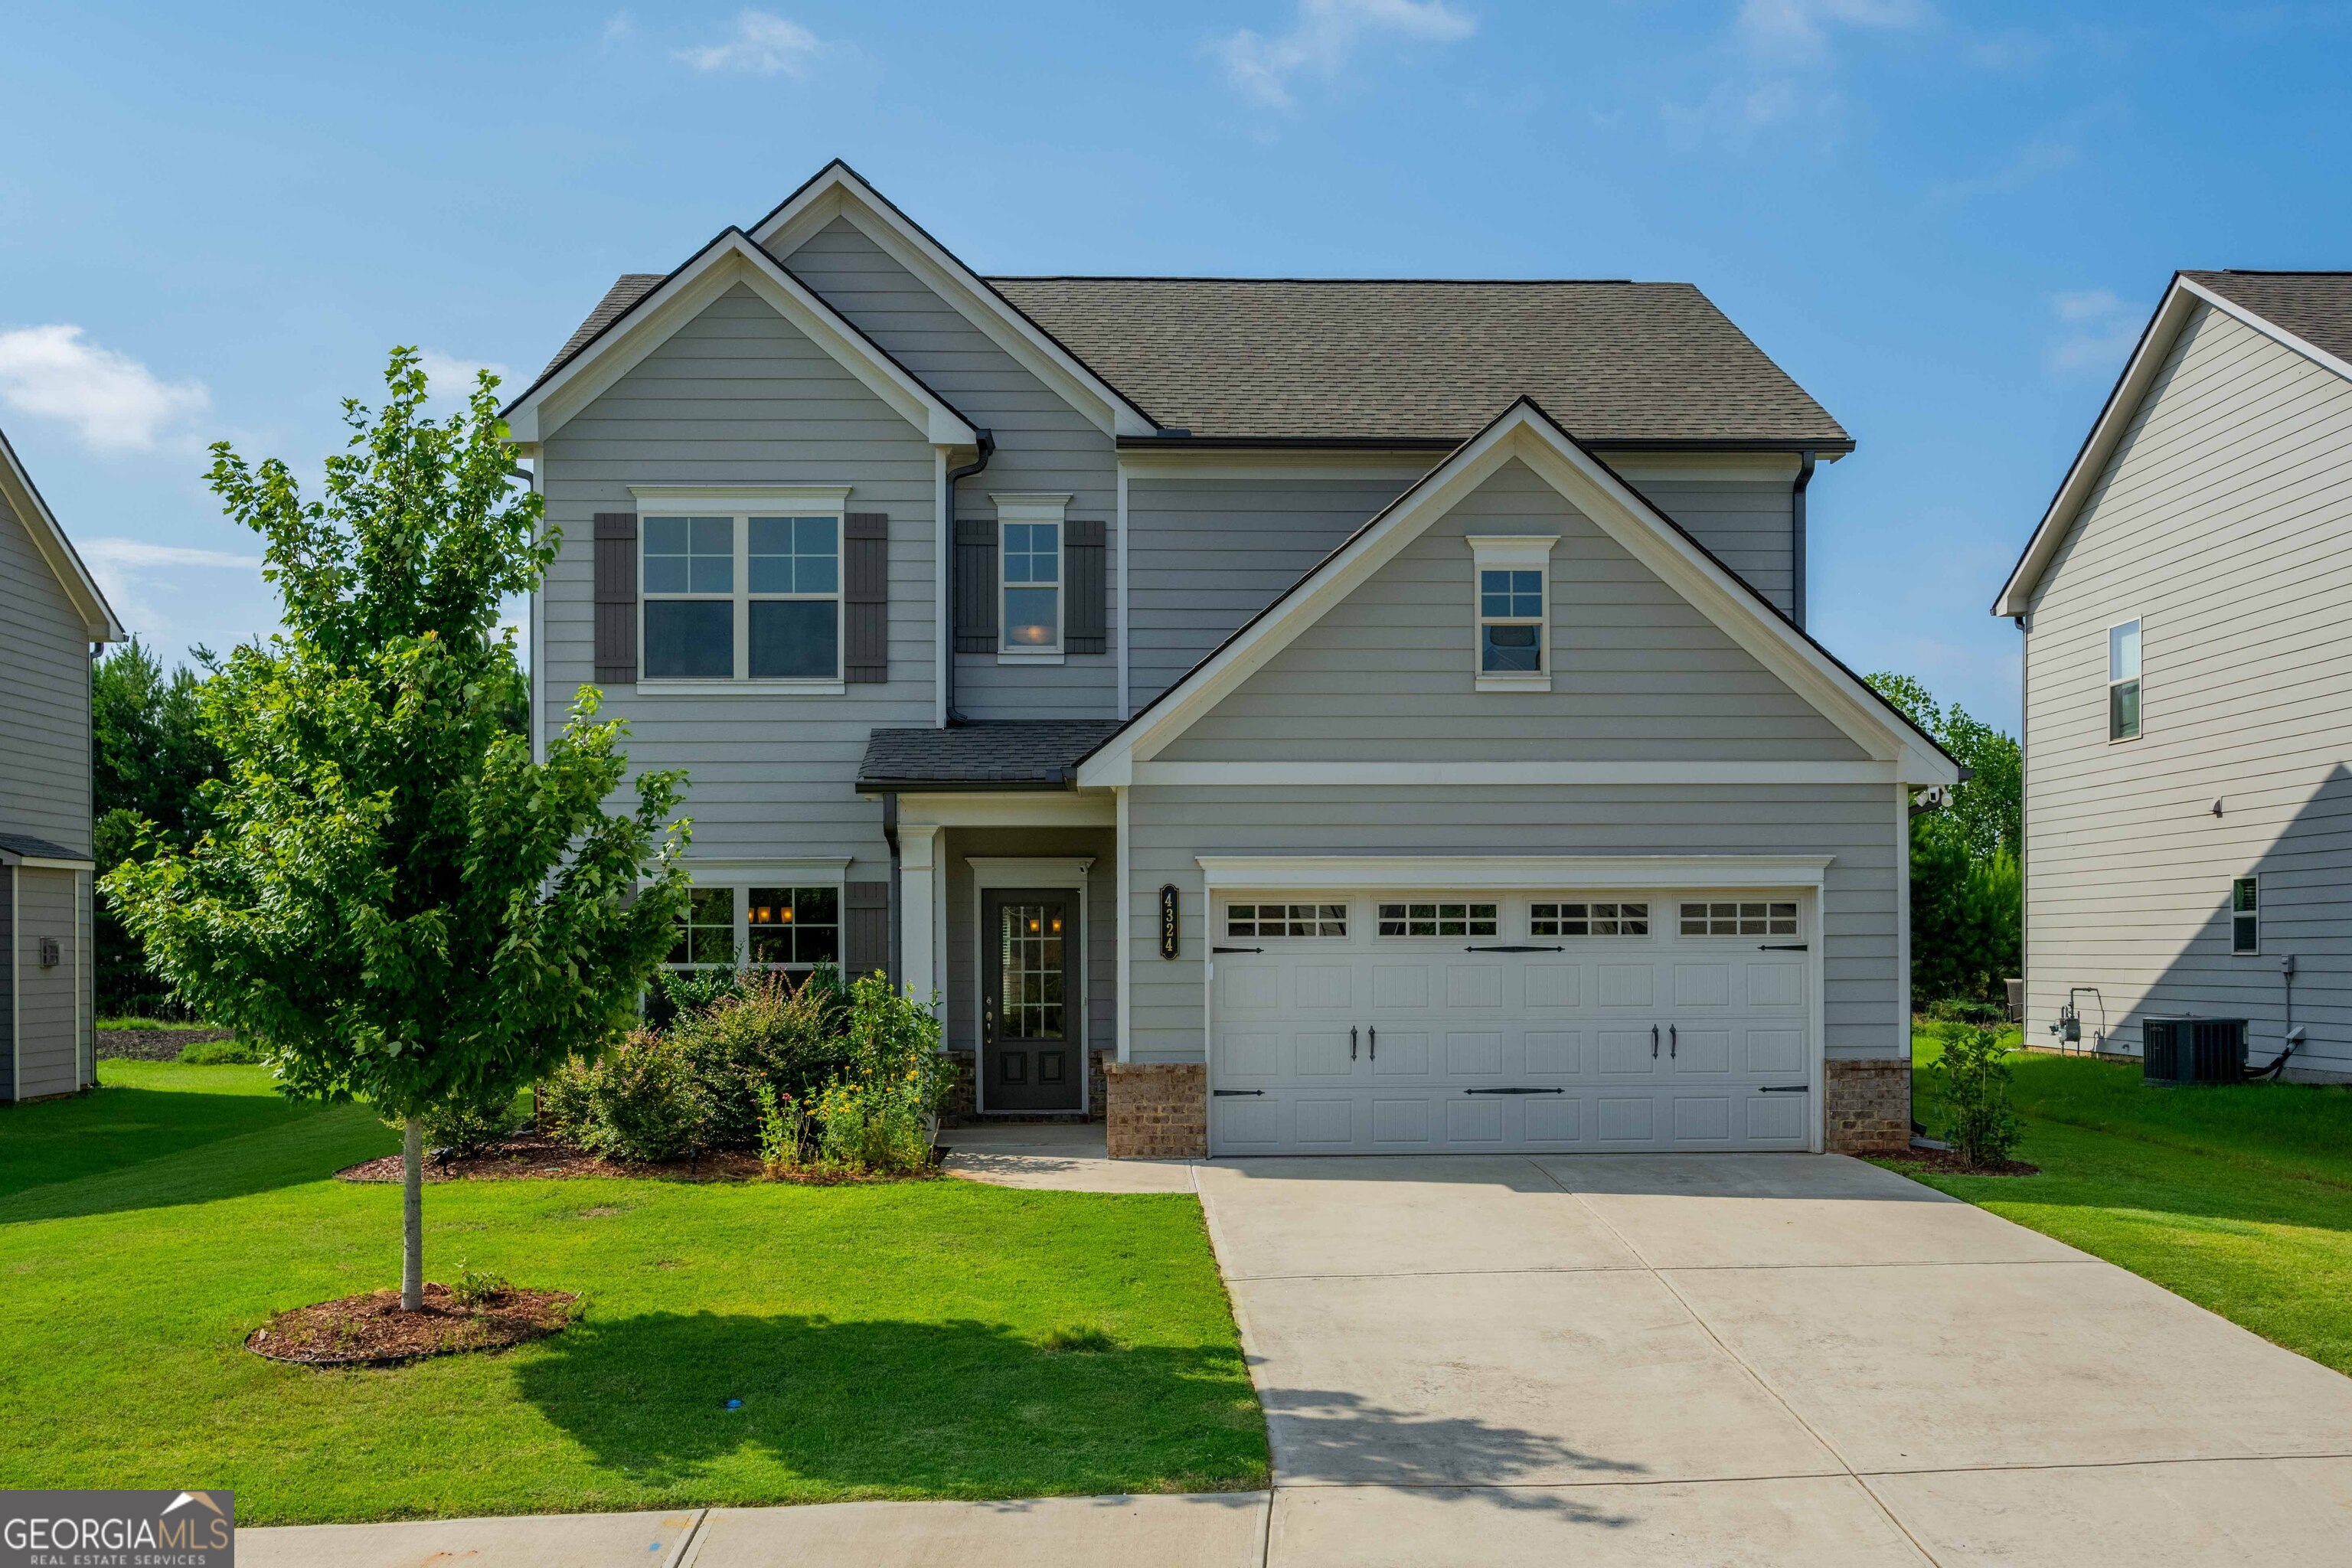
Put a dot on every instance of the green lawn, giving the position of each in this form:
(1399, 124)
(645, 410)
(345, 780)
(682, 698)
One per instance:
(2238, 1198)
(885, 1340)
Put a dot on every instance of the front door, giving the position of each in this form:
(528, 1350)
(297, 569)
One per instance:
(1031, 1055)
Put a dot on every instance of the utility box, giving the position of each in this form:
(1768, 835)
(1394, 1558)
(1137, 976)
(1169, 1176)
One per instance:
(2193, 1050)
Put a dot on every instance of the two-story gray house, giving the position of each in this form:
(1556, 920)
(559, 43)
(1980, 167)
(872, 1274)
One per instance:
(51, 614)
(1275, 715)
(2187, 683)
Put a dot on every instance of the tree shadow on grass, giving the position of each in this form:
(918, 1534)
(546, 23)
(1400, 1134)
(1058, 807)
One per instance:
(159, 1165)
(883, 1408)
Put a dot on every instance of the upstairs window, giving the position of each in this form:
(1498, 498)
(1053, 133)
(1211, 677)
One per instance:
(2123, 682)
(748, 596)
(2246, 916)
(1512, 578)
(1030, 608)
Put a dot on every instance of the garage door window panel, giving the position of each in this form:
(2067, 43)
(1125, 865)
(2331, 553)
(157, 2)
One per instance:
(1589, 918)
(1739, 918)
(1438, 917)
(1320, 921)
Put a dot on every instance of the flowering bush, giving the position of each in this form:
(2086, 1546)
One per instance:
(636, 1102)
(880, 1112)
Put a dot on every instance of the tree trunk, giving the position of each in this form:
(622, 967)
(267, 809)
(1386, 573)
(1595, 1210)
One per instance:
(412, 1217)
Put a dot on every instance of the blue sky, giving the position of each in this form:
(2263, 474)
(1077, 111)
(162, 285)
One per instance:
(1947, 223)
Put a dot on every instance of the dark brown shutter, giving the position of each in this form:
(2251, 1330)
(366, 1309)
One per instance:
(975, 584)
(865, 927)
(865, 597)
(616, 598)
(1083, 622)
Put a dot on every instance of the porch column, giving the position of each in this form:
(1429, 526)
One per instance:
(918, 952)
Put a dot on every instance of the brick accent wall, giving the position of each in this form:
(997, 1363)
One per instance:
(1157, 1110)
(1869, 1106)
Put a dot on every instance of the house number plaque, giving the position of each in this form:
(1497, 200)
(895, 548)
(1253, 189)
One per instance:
(1170, 928)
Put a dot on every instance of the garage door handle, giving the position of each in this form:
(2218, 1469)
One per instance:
(1372, 1043)
(1237, 950)
(1781, 947)
(1229, 1093)
(1352, 1042)
(1786, 1089)
(1514, 1092)
(1653, 1042)
(1515, 947)
(1673, 1044)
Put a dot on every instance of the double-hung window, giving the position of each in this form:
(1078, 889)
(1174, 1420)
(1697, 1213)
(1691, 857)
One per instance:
(1513, 574)
(742, 591)
(2123, 682)
(2246, 916)
(1029, 574)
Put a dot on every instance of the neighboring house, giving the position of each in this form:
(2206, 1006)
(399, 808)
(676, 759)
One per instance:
(50, 615)
(1282, 715)
(2187, 675)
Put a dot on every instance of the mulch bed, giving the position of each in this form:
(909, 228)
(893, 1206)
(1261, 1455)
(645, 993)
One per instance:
(1948, 1163)
(371, 1330)
(153, 1045)
(531, 1155)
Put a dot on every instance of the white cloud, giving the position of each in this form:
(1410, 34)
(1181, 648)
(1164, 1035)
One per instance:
(137, 576)
(1780, 67)
(2101, 331)
(1324, 36)
(761, 45)
(450, 379)
(1799, 29)
(619, 27)
(114, 402)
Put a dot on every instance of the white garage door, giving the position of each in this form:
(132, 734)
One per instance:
(1470, 1023)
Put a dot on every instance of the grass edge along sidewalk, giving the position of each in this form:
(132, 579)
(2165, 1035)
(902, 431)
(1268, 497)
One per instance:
(898, 1341)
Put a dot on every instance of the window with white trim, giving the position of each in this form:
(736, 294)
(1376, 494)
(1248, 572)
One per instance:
(1437, 919)
(1286, 919)
(2123, 682)
(2246, 916)
(1739, 918)
(792, 928)
(1029, 611)
(1604, 918)
(1512, 587)
(741, 596)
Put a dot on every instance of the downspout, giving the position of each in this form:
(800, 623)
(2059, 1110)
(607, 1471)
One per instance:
(890, 836)
(1797, 536)
(987, 444)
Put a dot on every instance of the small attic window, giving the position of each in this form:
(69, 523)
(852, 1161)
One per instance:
(1511, 590)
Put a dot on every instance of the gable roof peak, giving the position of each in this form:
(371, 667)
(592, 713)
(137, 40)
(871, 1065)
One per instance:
(24, 498)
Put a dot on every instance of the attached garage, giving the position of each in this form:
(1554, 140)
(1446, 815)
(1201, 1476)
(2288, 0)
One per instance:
(1557, 1014)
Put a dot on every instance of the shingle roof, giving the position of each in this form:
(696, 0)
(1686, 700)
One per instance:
(2314, 305)
(1035, 753)
(1389, 359)
(627, 291)
(1335, 360)
(36, 848)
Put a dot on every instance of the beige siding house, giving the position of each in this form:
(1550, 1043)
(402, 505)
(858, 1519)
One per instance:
(2188, 683)
(1268, 715)
(51, 614)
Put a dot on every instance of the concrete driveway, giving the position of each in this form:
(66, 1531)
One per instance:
(1745, 1359)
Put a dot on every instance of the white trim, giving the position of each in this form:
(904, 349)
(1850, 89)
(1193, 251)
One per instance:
(1510, 552)
(804, 871)
(1032, 510)
(763, 498)
(1062, 874)
(1123, 998)
(1525, 433)
(1433, 772)
(744, 688)
(838, 191)
(1901, 924)
(942, 574)
(918, 974)
(1010, 808)
(538, 626)
(1771, 468)
(1125, 697)
(48, 535)
(1505, 872)
(1216, 463)
(729, 260)
(16, 982)
(46, 862)
(2173, 313)
(2137, 678)
(85, 899)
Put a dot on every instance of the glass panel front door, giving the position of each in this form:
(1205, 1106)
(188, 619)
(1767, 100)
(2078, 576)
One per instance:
(1031, 1054)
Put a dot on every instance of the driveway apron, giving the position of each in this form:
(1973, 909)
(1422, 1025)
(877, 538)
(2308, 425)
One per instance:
(1744, 1358)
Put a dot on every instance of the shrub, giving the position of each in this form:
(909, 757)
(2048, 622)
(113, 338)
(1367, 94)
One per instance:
(878, 1114)
(220, 1053)
(468, 1127)
(1964, 1010)
(681, 991)
(782, 1125)
(475, 1286)
(638, 1103)
(1974, 1074)
(763, 1032)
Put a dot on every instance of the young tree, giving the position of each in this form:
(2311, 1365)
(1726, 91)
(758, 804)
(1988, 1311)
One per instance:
(392, 899)
(150, 756)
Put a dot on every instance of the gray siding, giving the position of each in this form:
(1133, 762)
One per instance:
(1743, 521)
(1043, 444)
(1099, 951)
(1637, 673)
(7, 983)
(48, 1051)
(1856, 824)
(739, 396)
(44, 774)
(1204, 555)
(2224, 523)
